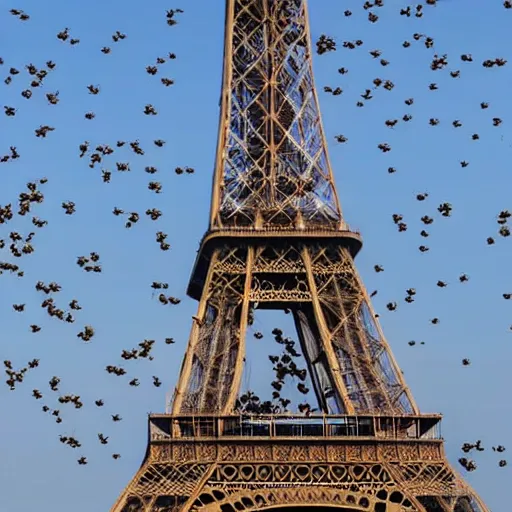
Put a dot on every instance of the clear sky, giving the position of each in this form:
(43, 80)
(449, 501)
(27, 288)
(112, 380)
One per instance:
(36, 470)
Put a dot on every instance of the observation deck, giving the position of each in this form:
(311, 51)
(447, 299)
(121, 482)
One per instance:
(232, 463)
(329, 438)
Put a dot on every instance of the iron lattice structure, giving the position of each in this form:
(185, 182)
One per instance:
(277, 239)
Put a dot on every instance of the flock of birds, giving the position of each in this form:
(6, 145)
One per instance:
(470, 465)
(438, 62)
(19, 245)
(284, 365)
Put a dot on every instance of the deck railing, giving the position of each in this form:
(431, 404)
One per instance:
(187, 427)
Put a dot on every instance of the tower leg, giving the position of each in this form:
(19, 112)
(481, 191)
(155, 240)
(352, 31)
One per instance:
(211, 370)
(361, 355)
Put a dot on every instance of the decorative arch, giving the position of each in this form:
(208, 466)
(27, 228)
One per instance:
(288, 498)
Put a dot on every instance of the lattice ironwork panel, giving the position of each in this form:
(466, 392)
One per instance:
(168, 479)
(208, 373)
(273, 157)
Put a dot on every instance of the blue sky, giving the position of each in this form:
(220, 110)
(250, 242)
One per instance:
(35, 468)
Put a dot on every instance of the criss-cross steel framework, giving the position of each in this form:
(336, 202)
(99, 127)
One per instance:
(272, 164)
(277, 239)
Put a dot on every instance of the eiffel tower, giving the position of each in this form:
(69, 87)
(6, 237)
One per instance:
(277, 240)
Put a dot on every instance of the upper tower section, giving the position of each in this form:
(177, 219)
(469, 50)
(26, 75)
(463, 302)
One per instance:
(272, 167)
